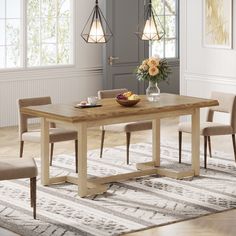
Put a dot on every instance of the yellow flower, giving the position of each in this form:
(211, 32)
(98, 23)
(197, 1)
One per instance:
(153, 71)
(153, 61)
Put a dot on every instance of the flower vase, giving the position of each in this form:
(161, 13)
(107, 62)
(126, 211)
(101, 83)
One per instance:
(153, 92)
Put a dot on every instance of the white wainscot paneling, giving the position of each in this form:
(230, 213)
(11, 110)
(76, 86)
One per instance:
(62, 90)
(202, 86)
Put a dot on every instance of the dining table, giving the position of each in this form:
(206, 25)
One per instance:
(110, 112)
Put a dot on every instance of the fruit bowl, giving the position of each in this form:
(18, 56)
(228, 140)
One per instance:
(128, 103)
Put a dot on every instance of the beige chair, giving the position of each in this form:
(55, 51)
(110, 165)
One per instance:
(55, 134)
(227, 104)
(124, 127)
(15, 168)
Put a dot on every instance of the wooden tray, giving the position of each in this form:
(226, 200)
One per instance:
(87, 106)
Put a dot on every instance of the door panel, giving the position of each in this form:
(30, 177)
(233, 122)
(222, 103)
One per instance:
(123, 16)
(125, 43)
(125, 81)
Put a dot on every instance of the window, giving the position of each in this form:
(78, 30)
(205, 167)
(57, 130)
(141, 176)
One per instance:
(10, 19)
(49, 32)
(40, 37)
(167, 11)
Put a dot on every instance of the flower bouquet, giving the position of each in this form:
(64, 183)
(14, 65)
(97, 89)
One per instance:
(153, 70)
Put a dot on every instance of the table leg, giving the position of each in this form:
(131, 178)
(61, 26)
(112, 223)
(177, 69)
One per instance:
(196, 141)
(156, 124)
(44, 152)
(82, 159)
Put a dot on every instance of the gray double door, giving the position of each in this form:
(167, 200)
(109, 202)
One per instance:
(124, 52)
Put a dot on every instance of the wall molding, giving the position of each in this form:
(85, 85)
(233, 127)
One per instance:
(48, 73)
(216, 79)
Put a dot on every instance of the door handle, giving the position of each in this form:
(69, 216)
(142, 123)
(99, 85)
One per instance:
(111, 59)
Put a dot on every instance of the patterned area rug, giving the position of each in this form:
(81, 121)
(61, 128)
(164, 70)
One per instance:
(127, 206)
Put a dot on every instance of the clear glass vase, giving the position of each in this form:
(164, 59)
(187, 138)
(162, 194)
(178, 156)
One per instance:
(153, 92)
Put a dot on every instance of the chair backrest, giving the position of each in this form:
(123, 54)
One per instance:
(110, 93)
(26, 102)
(227, 104)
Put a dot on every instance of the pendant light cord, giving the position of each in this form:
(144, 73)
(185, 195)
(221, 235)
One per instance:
(150, 8)
(96, 11)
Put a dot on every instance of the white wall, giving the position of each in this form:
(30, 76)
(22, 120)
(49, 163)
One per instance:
(62, 84)
(203, 70)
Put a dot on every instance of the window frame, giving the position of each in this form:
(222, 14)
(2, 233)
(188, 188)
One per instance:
(23, 43)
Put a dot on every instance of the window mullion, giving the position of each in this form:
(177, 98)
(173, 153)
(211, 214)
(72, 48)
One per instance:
(57, 23)
(177, 29)
(24, 33)
(5, 39)
(164, 38)
(40, 32)
(72, 30)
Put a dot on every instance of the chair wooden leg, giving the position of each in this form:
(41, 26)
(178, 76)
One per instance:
(128, 135)
(33, 195)
(205, 152)
(76, 156)
(102, 143)
(209, 145)
(51, 153)
(234, 145)
(21, 148)
(180, 146)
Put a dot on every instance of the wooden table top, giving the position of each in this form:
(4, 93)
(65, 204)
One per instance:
(111, 109)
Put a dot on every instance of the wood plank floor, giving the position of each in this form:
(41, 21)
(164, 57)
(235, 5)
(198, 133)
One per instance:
(220, 224)
(216, 224)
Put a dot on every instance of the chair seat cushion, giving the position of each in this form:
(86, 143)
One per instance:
(207, 128)
(55, 135)
(17, 168)
(129, 127)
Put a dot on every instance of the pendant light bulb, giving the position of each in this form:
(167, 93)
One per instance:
(150, 31)
(96, 34)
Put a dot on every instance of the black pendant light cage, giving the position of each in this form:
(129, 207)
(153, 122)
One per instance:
(96, 17)
(150, 14)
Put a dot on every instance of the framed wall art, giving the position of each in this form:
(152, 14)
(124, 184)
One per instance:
(217, 23)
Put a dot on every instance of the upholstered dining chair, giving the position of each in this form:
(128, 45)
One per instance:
(128, 128)
(55, 134)
(15, 168)
(227, 104)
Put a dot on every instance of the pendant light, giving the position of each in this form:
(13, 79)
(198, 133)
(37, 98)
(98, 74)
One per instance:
(96, 29)
(152, 28)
